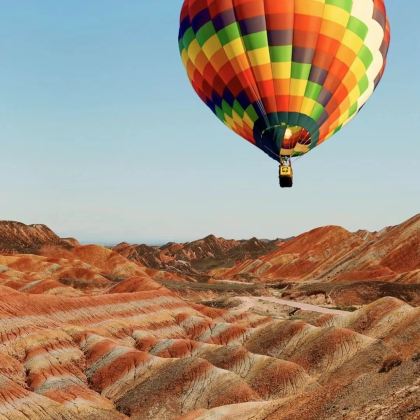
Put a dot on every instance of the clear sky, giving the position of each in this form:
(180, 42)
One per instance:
(102, 137)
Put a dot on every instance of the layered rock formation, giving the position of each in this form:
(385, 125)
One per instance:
(17, 237)
(86, 333)
(149, 354)
(334, 254)
(196, 258)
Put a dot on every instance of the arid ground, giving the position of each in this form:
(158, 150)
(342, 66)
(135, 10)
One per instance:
(325, 325)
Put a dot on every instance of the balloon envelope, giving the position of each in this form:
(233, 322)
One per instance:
(284, 74)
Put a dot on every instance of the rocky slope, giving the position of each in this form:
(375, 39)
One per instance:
(334, 254)
(200, 255)
(86, 333)
(197, 257)
(17, 237)
(84, 270)
(149, 354)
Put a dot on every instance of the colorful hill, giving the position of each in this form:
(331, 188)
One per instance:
(86, 333)
(334, 254)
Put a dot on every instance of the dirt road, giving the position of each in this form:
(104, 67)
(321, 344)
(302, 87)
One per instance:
(249, 301)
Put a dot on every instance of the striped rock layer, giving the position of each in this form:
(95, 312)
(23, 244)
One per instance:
(332, 253)
(150, 354)
(87, 334)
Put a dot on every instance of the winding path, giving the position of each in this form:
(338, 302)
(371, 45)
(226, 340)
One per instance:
(248, 302)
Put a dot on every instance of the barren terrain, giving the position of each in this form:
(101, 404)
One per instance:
(325, 325)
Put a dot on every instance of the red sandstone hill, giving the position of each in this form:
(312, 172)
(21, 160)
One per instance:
(72, 271)
(86, 333)
(197, 257)
(151, 355)
(326, 254)
(334, 254)
(17, 237)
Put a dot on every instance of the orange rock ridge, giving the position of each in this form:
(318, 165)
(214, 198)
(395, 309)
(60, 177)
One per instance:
(86, 332)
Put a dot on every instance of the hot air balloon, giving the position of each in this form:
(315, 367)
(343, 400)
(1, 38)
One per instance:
(284, 74)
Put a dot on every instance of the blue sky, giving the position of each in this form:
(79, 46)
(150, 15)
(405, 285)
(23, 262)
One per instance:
(102, 138)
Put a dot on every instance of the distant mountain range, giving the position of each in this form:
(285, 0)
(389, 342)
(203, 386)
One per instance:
(195, 259)
(327, 254)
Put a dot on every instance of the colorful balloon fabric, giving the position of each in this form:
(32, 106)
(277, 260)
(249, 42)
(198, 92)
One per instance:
(284, 74)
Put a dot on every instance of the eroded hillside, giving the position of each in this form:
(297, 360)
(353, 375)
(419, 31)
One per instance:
(86, 333)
